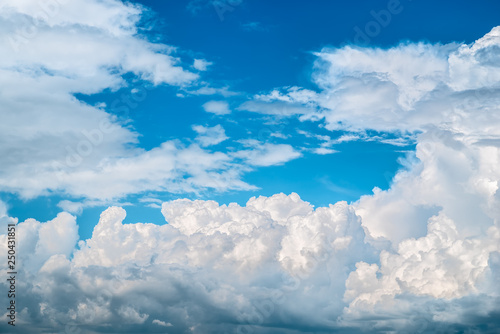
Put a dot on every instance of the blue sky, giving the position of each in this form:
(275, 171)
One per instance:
(390, 106)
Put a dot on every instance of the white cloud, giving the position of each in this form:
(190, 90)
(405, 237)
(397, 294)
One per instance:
(449, 174)
(198, 268)
(37, 242)
(71, 207)
(217, 107)
(276, 259)
(440, 265)
(162, 323)
(201, 64)
(171, 167)
(266, 154)
(403, 89)
(294, 101)
(207, 89)
(441, 271)
(280, 135)
(3, 209)
(411, 87)
(440, 216)
(292, 94)
(151, 202)
(208, 136)
(276, 108)
(324, 150)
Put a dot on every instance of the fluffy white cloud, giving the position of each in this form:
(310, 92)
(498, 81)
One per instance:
(440, 265)
(275, 263)
(404, 89)
(217, 107)
(208, 136)
(429, 280)
(211, 265)
(201, 64)
(294, 101)
(447, 175)
(437, 225)
(412, 87)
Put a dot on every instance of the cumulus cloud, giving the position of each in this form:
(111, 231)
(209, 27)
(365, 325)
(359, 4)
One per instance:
(411, 87)
(217, 107)
(453, 265)
(437, 225)
(404, 89)
(276, 263)
(209, 269)
(441, 271)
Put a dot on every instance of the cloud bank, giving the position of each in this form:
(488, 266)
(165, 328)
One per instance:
(276, 265)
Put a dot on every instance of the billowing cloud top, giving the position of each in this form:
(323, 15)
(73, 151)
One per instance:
(412, 86)
(275, 262)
